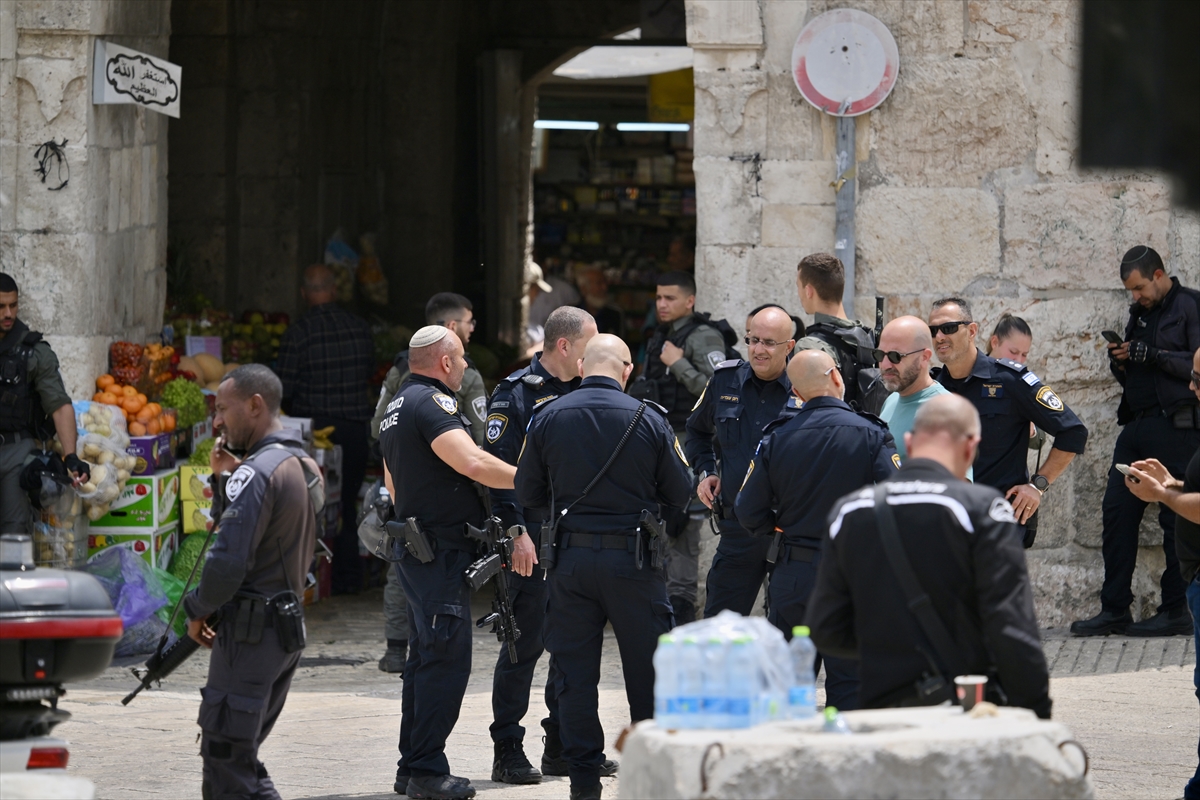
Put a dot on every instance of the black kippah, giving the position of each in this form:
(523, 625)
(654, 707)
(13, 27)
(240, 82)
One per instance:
(7, 284)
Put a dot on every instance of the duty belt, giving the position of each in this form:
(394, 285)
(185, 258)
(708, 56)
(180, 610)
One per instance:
(598, 541)
(1154, 411)
(12, 437)
(802, 552)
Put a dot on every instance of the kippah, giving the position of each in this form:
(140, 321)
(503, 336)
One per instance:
(430, 334)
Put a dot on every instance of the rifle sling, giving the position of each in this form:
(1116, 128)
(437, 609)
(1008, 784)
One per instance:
(917, 599)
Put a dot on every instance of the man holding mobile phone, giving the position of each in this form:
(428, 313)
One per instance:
(1160, 419)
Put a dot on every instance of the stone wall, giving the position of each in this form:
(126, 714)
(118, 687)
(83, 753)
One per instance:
(89, 259)
(968, 183)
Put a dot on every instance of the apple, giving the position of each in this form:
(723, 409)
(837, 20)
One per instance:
(140, 490)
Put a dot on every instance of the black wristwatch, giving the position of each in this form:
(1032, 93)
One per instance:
(1040, 483)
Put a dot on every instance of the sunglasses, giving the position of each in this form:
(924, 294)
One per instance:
(1196, 377)
(893, 356)
(948, 328)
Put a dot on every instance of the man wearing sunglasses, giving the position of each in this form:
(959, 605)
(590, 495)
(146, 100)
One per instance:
(739, 401)
(905, 350)
(1008, 397)
(806, 461)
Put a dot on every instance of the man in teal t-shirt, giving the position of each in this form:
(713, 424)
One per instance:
(906, 350)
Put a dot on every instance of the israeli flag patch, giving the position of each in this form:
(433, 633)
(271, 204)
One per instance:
(1031, 379)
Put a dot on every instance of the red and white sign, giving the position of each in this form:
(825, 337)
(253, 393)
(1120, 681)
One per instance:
(845, 62)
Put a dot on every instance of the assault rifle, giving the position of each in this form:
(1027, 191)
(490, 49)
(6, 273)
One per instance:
(164, 662)
(497, 558)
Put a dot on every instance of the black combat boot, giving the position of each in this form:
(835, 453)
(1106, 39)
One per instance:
(394, 658)
(685, 610)
(587, 792)
(555, 765)
(1176, 622)
(511, 765)
(1102, 624)
(440, 787)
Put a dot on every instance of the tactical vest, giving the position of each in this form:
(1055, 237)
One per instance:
(656, 382)
(20, 406)
(856, 361)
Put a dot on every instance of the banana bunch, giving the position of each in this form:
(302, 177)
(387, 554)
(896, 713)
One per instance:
(321, 439)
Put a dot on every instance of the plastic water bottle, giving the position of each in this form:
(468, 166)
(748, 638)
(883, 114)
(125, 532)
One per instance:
(802, 696)
(715, 685)
(743, 681)
(835, 722)
(691, 682)
(666, 682)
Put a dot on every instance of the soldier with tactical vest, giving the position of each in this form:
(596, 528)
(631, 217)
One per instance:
(34, 406)
(681, 356)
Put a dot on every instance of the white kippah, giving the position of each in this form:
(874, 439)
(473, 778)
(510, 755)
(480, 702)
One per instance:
(428, 335)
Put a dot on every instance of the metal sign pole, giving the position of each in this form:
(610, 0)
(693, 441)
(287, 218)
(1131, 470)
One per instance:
(843, 245)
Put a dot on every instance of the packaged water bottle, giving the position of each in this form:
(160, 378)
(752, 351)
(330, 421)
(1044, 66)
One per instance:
(715, 685)
(835, 722)
(743, 681)
(691, 682)
(802, 696)
(666, 682)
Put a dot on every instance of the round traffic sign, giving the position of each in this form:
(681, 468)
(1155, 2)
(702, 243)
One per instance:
(845, 62)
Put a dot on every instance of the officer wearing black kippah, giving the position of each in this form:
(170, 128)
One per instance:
(430, 464)
(551, 374)
(741, 398)
(805, 462)
(1008, 397)
(604, 465)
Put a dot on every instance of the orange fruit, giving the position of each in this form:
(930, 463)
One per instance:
(153, 427)
(137, 429)
(155, 408)
(143, 398)
(129, 391)
(96, 397)
(131, 405)
(168, 423)
(109, 398)
(105, 381)
(144, 415)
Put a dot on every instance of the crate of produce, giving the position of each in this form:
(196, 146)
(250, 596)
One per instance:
(148, 501)
(194, 483)
(155, 545)
(196, 516)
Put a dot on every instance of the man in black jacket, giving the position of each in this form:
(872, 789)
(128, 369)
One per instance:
(1160, 419)
(962, 544)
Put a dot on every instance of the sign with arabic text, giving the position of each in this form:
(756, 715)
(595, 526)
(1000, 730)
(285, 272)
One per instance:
(121, 75)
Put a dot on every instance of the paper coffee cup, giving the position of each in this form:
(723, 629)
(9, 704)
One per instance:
(970, 689)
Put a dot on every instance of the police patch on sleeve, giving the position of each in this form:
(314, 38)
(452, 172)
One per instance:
(896, 460)
(496, 423)
(1049, 399)
(479, 406)
(447, 403)
(679, 452)
(1001, 511)
(238, 481)
(715, 358)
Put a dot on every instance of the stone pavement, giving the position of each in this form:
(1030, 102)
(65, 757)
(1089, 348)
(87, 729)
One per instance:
(1129, 701)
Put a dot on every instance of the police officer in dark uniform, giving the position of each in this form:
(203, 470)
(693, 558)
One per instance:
(551, 374)
(1008, 397)
(741, 398)
(1160, 419)
(601, 463)
(681, 355)
(267, 526)
(430, 464)
(33, 405)
(803, 464)
(960, 542)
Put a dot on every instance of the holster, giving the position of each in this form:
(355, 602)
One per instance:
(289, 621)
(1186, 418)
(417, 542)
(548, 546)
(776, 544)
(651, 526)
(250, 619)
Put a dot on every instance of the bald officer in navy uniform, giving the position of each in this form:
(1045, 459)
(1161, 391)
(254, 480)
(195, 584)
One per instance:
(599, 576)
(430, 466)
(805, 462)
(1008, 397)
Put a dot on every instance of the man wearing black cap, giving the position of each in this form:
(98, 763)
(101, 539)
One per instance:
(1160, 418)
(33, 405)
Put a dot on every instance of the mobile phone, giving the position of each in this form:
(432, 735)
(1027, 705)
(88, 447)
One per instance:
(1124, 470)
(1112, 336)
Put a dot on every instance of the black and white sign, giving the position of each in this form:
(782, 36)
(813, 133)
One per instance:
(121, 75)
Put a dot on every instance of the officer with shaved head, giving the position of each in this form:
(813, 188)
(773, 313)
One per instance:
(604, 466)
(806, 461)
(923, 578)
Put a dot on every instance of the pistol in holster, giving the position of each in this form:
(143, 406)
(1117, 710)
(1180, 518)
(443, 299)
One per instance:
(548, 546)
(650, 534)
(418, 543)
(284, 611)
(776, 544)
(716, 514)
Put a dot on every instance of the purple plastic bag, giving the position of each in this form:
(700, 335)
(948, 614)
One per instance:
(135, 591)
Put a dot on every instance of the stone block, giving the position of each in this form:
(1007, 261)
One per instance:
(137, 199)
(731, 94)
(8, 31)
(728, 207)
(773, 272)
(80, 360)
(723, 23)
(914, 753)
(749, 139)
(9, 92)
(123, 177)
(810, 228)
(53, 100)
(782, 21)
(1072, 236)
(8, 185)
(51, 268)
(1050, 73)
(920, 27)
(793, 126)
(723, 285)
(1066, 584)
(56, 15)
(951, 122)
(64, 211)
(927, 237)
(1006, 21)
(134, 18)
(798, 182)
(54, 45)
